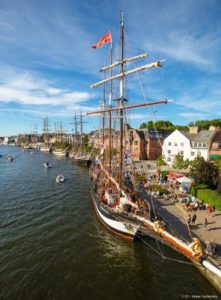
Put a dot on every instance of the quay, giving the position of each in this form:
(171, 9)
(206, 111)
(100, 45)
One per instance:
(175, 216)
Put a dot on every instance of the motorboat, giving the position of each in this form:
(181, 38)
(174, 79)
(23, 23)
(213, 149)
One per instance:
(60, 178)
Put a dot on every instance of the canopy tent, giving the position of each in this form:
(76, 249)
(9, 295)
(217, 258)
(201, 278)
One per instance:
(184, 180)
(214, 156)
(174, 175)
(185, 183)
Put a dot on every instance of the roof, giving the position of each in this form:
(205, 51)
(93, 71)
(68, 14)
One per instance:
(202, 136)
(156, 134)
(217, 137)
(175, 175)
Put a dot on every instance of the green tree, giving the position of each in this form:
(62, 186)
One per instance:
(143, 125)
(180, 163)
(160, 161)
(204, 172)
(217, 163)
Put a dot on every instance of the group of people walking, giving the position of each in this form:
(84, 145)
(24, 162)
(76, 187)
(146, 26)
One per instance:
(192, 220)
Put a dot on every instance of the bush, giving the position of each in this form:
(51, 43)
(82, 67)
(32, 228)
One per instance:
(210, 197)
(139, 177)
(164, 174)
(158, 188)
(194, 189)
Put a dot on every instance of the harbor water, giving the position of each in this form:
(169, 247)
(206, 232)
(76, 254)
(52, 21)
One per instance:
(53, 247)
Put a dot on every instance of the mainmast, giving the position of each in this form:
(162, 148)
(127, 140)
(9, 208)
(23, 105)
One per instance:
(109, 113)
(121, 99)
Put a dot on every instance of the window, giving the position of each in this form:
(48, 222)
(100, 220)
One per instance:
(181, 144)
(204, 145)
(181, 152)
(175, 144)
(168, 159)
(199, 145)
(195, 145)
(198, 153)
(168, 151)
(192, 153)
(169, 143)
(135, 142)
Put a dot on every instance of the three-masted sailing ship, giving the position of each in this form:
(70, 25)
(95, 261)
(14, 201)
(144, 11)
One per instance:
(114, 200)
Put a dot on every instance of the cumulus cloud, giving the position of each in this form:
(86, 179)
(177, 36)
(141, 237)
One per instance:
(31, 89)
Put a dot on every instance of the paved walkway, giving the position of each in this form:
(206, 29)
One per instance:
(175, 215)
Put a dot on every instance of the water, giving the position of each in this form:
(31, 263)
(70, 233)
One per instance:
(53, 247)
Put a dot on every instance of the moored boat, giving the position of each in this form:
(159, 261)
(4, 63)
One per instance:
(59, 152)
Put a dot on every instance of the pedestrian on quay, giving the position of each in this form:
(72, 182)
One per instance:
(205, 223)
(188, 219)
(194, 218)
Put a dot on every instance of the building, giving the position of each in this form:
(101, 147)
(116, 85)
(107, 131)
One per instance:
(190, 144)
(215, 150)
(153, 142)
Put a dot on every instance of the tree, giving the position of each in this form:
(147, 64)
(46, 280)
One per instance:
(217, 163)
(205, 124)
(160, 161)
(180, 163)
(143, 126)
(204, 172)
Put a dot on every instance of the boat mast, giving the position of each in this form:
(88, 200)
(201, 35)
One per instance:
(121, 99)
(109, 115)
(103, 119)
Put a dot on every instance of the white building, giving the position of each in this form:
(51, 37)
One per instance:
(190, 144)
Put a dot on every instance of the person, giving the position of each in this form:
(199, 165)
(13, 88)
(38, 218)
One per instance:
(205, 223)
(209, 209)
(188, 219)
(213, 247)
(194, 218)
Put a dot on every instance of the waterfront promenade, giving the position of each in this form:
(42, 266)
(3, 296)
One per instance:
(176, 216)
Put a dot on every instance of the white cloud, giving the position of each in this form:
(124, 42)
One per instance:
(28, 88)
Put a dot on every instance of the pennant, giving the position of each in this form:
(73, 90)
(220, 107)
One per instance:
(105, 39)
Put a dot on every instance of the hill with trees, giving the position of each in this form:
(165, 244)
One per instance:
(163, 124)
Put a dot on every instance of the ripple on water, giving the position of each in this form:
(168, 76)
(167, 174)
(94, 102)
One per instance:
(53, 247)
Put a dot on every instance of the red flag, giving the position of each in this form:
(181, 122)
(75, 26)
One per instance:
(105, 39)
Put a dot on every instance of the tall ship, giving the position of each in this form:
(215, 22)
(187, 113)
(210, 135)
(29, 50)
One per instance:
(80, 154)
(116, 203)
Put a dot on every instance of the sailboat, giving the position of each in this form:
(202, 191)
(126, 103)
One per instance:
(79, 156)
(114, 200)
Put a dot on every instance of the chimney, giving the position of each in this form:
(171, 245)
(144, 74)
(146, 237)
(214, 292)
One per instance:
(193, 130)
(212, 128)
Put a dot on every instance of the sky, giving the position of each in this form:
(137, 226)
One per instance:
(47, 64)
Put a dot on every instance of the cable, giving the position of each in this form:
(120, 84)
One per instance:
(163, 256)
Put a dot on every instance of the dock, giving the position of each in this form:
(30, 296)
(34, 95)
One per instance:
(175, 216)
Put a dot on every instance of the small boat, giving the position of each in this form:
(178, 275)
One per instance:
(60, 178)
(83, 160)
(59, 152)
(10, 158)
(45, 149)
(47, 165)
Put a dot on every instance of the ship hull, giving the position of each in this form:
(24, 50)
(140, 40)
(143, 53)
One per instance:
(121, 228)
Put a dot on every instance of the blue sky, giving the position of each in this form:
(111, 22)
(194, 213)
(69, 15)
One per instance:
(47, 64)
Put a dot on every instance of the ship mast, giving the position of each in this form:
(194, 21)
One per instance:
(121, 99)
(109, 114)
(121, 107)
